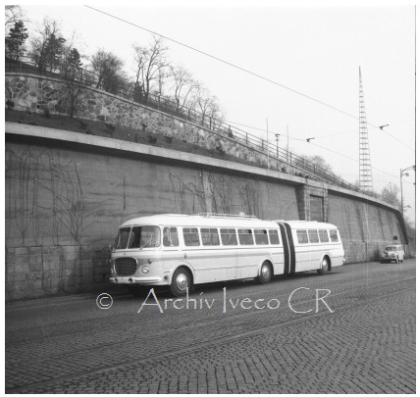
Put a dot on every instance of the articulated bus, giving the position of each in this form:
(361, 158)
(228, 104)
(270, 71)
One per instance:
(180, 251)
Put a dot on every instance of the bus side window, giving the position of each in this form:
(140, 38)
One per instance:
(302, 236)
(191, 238)
(313, 236)
(334, 236)
(261, 237)
(228, 237)
(210, 237)
(323, 236)
(245, 237)
(170, 237)
(274, 237)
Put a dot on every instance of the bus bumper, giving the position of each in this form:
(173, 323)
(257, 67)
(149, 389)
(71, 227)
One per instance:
(135, 280)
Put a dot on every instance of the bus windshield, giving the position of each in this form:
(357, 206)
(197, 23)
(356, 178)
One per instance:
(138, 237)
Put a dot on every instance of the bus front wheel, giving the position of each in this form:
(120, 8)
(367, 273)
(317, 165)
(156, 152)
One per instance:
(181, 280)
(324, 266)
(265, 273)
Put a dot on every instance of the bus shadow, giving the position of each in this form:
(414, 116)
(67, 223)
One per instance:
(232, 285)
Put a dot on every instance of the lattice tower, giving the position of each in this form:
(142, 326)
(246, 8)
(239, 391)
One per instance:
(365, 169)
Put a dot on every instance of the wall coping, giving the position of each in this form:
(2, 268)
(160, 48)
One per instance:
(17, 129)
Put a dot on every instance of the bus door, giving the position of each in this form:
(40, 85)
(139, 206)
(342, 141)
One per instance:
(171, 253)
(229, 253)
(303, 251)
(316, 249)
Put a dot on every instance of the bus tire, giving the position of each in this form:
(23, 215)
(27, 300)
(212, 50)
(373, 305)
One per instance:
(266, 273)
(325, 264)
(181, 280)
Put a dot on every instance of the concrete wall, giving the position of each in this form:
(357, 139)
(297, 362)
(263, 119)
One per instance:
(364, 227)
(64, 206)
(67, 193)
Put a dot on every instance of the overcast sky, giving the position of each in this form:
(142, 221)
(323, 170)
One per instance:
(315, 51)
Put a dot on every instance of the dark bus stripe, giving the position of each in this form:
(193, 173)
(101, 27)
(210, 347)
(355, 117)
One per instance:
(292, 249)
(289, 249)
(286, 248)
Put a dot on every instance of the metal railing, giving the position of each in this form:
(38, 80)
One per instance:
(301, 166)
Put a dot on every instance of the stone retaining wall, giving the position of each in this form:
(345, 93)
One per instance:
(35, 93)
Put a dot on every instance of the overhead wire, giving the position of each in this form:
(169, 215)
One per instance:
(244, 70)
(283, 134)
(322, 147)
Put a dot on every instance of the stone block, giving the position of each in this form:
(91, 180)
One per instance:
(37, 284)
(71, 255)
(36, 264)
(22, 251)
(10, 260)
(99, 278)
(70, 281)
(10, 251)
(67, 249)
(84, 256)
(17, 277)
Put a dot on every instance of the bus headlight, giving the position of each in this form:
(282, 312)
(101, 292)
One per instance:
(145, 269)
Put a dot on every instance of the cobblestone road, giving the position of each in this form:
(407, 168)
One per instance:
(358, 339)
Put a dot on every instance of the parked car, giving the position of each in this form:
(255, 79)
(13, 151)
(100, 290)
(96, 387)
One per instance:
(393, 252)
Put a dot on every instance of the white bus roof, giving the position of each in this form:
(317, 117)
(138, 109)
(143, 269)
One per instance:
(308, 224)
(217, 221)
(196, 220)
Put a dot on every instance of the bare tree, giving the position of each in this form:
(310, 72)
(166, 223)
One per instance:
(390, 194)
(183, 85)
(72, 91)
(48, 48)
(161, 79)
(12, 15)
(215, 115)
(204, 101)
(108, 68)
(149, 62)
(315, 164)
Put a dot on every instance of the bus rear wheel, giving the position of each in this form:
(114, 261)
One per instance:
(181, 280)
(324, 266)
(266, 273)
